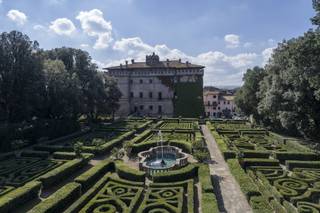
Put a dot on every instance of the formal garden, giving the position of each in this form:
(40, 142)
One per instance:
(276, 174)
(159, 165)
(99, 170)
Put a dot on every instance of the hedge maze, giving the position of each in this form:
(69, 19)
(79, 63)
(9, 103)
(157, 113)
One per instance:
(18, 171)
(52, 177)
(277, 174)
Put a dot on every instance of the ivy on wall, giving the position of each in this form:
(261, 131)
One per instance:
(188, 96)
(188, 100)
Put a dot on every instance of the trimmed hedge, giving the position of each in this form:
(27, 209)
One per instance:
(6, 156)
(59, 173)
(127, 173)
(85, 198)
(39, 154)
(187, 172)
(290, 164)
(19, 196)
(88, 178)
(185, 146)
(64, 155)
(141, 136)
(58, 201)
(246, 162)
(208, 198)
(249, 188)
(283, 156)
(246, 184)
(229, 155)
(53, 148)
(107, 147)
(255, 154)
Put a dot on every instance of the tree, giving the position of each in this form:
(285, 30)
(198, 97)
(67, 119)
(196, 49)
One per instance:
(21, 77)
(316, 6)
(246, 97)
(99, 95)
(290, 92)
(62, 93)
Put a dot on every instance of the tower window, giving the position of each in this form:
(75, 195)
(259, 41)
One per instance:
(159, 109)
(150, 94)
(141, 81)
(150, 81)
(150, 107)
(160, 95)
(141, 94)
(131, 94)
(141, 107)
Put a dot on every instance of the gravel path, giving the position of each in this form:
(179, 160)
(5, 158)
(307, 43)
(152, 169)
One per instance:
(228, 192)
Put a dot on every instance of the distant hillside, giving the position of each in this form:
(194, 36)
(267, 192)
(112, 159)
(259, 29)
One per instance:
(222, 90)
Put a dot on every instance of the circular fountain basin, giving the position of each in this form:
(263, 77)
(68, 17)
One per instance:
(162, 158)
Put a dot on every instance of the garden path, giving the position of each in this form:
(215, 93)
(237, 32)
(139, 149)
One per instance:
(228, 192)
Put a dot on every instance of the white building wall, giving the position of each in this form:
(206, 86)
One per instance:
(215, 103)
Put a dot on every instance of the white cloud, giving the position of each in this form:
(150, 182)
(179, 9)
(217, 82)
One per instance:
(232, 40)
(266, 55)
(39, 27)
(18, 17)
(93, 24)
(221, 69)
(84, 45)
(247, 45)
(62, 26)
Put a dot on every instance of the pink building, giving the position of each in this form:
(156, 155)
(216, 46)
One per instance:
(219, 104)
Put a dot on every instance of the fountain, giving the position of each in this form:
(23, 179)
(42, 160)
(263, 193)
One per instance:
(162, 158)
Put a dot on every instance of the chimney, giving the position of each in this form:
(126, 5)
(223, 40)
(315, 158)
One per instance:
(179, 60)
(126, 63)
(167, 60)
(132, 61)
(121, 66)
(187, 63)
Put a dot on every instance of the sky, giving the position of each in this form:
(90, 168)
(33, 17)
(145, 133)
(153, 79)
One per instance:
(226, 36)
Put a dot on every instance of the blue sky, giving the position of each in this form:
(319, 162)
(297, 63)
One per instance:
(227, 36)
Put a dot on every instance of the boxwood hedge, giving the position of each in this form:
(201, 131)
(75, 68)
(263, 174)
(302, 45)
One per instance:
(19, 196)
(88, 178)
(58, 201)
(128, 173)
(187, 172)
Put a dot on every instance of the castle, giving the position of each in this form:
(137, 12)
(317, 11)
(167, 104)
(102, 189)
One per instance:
(152, 88)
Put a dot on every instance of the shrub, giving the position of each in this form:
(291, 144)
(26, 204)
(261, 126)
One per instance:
(6, 156)
(141, 136)
(89, 177)
(136, 148)
(283, 156)
(201, 155)
(249, 188)
(229, 155)
(64, 155)
(209, 201)
(53, 148)
(184, 173)
(58, 201)
(290, 164)
(128, 173)
(255, 154)
(19, 196)
(246, 162)
(39, 154)
(61, 172)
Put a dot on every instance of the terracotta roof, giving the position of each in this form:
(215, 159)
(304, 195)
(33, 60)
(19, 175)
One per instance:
(161, 64)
